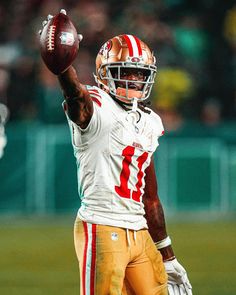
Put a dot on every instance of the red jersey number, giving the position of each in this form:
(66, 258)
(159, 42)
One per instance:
(123, 190)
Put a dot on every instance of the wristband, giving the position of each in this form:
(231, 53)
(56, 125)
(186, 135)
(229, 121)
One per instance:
(169, 259)
(163, 243)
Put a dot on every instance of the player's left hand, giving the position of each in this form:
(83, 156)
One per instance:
(178, 282)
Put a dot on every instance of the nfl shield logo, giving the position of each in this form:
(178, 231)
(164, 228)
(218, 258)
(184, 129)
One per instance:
(114, 236)
(67, 38)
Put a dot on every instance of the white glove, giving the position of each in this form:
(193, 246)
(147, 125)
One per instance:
(178, 282)
(49, 17)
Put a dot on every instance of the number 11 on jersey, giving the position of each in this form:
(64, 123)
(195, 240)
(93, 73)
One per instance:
(123, 190)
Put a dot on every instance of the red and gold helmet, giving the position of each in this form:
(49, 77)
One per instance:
(125, 52)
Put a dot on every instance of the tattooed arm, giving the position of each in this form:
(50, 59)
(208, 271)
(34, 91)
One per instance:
(78, 102)
(155, 214)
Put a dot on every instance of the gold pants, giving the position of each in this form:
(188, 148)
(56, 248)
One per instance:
(116, 261)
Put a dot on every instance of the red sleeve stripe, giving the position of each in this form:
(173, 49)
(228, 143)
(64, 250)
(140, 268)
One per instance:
(94, 91)
(134, 45)
(96, 97)
(98, 102)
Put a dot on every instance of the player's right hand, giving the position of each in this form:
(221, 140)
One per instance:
(59, 42)
(44, 23)
(49, 17)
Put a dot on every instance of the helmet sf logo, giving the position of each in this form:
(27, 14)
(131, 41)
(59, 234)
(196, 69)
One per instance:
(106, 48)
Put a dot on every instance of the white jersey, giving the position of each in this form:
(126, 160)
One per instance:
(112, 154)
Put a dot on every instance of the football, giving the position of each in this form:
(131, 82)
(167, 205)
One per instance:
(59, 43)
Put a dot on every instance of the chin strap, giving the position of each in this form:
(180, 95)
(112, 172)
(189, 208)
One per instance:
(135, 105)
(133, 115)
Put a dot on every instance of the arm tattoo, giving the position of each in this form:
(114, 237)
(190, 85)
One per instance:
(155, 219)
(154, 211)
(79, 103)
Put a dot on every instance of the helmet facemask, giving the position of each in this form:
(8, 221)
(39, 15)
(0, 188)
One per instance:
(124, 89)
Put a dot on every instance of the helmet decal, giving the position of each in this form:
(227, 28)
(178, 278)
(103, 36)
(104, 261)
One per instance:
(135, 59)
(106, 48)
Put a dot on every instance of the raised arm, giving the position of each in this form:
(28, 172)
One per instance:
(78, 101)
(59, 44)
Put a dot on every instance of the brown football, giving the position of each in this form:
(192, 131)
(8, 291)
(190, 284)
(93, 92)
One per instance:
(59, 43)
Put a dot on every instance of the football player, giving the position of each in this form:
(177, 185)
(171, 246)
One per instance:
(120, 235)
(3, 119)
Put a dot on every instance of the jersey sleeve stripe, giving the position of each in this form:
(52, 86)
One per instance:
(96, 97)
(98, 102)
(94, 91)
